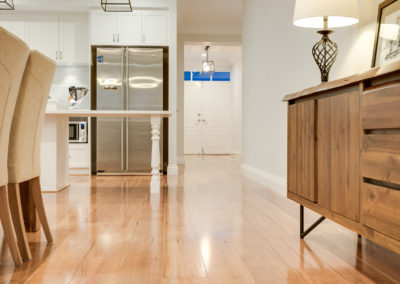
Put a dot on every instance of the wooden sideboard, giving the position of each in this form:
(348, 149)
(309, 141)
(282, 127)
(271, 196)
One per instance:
(344, 152)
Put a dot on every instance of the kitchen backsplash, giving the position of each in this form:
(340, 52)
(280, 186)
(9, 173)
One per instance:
(70, 75)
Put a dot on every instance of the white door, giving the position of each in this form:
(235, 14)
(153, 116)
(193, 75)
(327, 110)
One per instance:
(129, 27)
(216, 118)
(104, 28)
(15, 24)
(207, 118)
(74, 39)
(192, 116)
(155, 28)
(42, 34)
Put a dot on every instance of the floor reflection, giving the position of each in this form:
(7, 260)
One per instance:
(210, 224)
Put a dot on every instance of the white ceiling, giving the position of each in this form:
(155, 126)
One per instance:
(77, 5)
(210, 16)
(221, 55)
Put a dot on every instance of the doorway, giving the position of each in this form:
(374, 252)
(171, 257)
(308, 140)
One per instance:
(212, 102)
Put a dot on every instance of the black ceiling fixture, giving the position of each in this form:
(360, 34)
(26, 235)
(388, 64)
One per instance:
(7, 5)
(207, 66)
(116, 5)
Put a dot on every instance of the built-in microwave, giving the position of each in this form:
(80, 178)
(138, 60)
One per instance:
(78, 132)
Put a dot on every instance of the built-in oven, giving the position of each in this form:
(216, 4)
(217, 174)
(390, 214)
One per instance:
(78, 131)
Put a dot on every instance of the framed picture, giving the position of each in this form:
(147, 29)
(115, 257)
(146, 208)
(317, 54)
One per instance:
(387, 40)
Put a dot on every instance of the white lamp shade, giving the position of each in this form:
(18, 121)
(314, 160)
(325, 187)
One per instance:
(311, 13)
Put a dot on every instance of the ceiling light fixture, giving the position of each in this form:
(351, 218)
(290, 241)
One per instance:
(207, 66)
(7, 5)
(116, 5)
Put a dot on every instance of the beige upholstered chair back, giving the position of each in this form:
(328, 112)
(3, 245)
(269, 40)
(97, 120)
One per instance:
(13, 56)
(26, 130)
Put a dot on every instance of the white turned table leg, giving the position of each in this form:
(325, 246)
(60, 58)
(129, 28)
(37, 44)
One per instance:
(155, 155)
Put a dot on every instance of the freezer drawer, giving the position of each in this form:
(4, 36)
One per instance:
(110, 145)
(138, 154)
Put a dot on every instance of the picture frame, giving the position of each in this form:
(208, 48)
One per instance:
(387, 36)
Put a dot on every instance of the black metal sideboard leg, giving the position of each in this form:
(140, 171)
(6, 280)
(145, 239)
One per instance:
(312, 227)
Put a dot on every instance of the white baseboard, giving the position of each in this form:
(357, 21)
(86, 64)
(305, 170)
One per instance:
(277, 183)
(55, 190)
(172, 170)
(79, 171)
(181, 160)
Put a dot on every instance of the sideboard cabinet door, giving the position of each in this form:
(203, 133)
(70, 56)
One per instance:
(301, 149)
(338, 158)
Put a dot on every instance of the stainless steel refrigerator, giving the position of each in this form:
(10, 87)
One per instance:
(127, 79)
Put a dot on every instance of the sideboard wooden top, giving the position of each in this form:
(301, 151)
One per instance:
(374, 72)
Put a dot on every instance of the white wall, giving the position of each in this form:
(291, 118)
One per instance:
(180, 100)
(173, 88)
(236, 107)
(276, 61)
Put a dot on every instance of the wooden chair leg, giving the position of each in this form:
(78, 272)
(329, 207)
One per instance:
(18, 220)
(9, 236)
(34, 185)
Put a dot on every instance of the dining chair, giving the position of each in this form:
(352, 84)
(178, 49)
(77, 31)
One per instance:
(13, 56)
(25, 139)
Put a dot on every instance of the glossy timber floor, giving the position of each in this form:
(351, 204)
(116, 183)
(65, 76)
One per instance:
(212, 225)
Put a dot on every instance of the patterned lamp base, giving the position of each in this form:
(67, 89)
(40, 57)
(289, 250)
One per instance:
(325, 52)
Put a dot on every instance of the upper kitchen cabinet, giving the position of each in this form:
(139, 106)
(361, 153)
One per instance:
(129, 27)
(14, 23)
(135, 28)
(42, 34)
(103, 28)
(64, 38)
(74, 39)
(155, 28)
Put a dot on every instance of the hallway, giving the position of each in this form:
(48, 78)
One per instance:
(213, 225)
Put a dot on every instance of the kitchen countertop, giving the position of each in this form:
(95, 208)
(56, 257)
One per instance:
(107, 113)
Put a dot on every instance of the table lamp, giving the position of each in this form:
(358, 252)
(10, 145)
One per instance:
(324, 15)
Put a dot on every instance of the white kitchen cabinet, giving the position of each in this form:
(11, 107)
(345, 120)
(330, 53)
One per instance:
(74, 39)
(103, 28)
(129, 28)
(62, 37)
(155, 28)
(14, 23)
(135, 28)
(42, 32)
(79, 156)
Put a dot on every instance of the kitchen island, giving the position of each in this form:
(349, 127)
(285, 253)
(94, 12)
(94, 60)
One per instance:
(54, 151)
